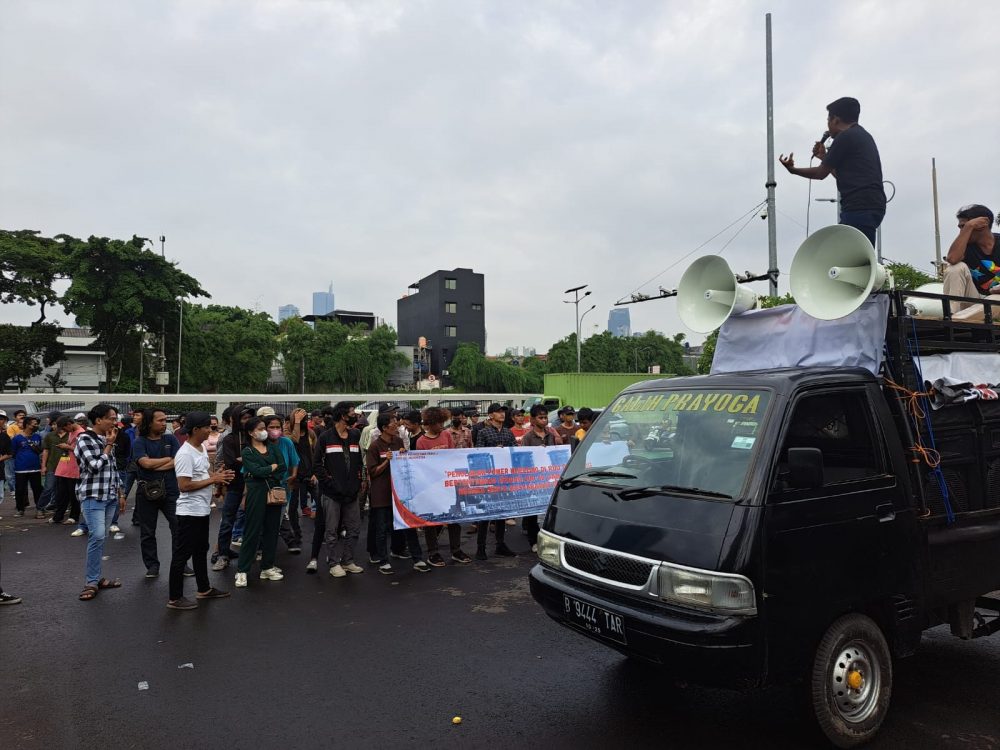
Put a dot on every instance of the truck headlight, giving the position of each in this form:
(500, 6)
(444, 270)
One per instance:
(704, 589)
(549, 550)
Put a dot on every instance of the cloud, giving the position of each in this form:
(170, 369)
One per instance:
(281, 145)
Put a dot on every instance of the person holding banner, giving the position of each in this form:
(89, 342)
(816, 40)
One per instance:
(539, 433)
(378, 458)
(436, 437)
(494, 434)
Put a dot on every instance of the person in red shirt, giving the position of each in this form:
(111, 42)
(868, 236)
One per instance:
(521, 425)
(436, 437)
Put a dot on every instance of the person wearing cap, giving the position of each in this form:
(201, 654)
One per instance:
(195, 480)
(5, 450)
(494, 434)
(567, 426)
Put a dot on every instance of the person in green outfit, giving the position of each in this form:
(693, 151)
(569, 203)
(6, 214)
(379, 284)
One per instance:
(264, 467)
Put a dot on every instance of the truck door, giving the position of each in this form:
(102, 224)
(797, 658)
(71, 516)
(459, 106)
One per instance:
(829, 549)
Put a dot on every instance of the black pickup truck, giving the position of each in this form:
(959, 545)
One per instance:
(803, 525)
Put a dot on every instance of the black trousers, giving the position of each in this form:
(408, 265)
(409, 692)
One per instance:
(149, 511)
(66, 498)
(499, 531)
(190, 543)
(23, 480)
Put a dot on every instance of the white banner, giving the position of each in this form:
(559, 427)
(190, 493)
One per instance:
(469, 485)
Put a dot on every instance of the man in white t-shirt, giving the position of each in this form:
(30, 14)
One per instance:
(195, 480)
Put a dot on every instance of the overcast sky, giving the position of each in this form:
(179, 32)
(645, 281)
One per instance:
(283, 145)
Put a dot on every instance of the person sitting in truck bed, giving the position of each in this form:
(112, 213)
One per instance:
(973, 269)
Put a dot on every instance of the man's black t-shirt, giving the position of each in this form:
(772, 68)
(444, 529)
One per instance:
(165, 447)
(854, 157)
(984, 267)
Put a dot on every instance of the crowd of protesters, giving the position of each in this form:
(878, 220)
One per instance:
(262, 472)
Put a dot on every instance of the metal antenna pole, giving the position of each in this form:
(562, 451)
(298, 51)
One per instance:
(937, 221)
(772, 225)
(180, 337)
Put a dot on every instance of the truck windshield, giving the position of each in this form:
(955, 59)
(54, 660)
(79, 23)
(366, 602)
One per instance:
(698, 441)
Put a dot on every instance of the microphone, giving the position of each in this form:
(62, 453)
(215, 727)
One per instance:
(825, 137)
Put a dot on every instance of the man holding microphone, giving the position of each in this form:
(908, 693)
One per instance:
(854, 161)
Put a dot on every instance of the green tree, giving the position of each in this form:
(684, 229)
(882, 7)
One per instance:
(226, 349)
(907, 277)
(29, 264)
(25, 351)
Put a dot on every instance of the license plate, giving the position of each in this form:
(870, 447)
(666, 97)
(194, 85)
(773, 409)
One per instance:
(595, 620)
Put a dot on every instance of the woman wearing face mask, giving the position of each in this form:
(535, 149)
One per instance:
(264, 468)
(292, 536)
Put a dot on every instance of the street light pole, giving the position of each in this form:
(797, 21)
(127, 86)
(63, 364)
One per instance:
(575, 291)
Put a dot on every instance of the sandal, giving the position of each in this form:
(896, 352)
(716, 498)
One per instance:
(104, 583)
(88, 593)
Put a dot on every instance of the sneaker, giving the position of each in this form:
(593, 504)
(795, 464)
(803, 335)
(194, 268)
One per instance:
(421, 567)
(474, 528)
(51, 520)
(460, 557)
(153, 571)
(374, 560)
(353, 567)
(77, 532)
(503, 550)
(295, 549)
(337, 571)
(241, 580)
(259, 556)
(182, 603)
(312, 567)
(69, 522)
(481, 554)
(271, 574)
(385, 569)
(188, 571)
(212, 593)
(236, 543)
(9, 599)
(113, 528)
(18, 513)
(40, 515)
(404, 555)
(221, 564)
(436, 560)
(534, 548)
(511, 522)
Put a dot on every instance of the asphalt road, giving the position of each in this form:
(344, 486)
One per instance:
(376, 661)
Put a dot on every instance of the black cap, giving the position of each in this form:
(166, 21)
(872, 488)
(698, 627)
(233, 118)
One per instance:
(567, 410)
(196, 419)
(55, 414)
(387, 407)
(494, 408)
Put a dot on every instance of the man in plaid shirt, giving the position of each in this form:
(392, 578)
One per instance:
(100, 491)
(494, 434)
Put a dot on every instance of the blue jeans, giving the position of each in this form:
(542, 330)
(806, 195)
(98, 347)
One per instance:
(241, 520)
(99, 514)
(8, 469)
(230, 507)
(48, 498)
(865, 222)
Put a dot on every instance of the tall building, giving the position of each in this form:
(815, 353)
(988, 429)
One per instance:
(619, 323)
(323, 302)
(288, 311)
(446, 308)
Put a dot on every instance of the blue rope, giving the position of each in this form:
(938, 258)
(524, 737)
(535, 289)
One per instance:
(936, 471)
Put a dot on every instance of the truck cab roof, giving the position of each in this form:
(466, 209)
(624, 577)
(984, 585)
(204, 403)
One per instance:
(783, 380)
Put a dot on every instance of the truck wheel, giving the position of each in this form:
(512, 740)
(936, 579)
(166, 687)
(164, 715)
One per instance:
(851, 681)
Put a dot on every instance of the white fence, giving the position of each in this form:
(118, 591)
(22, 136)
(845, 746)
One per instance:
(282, 403)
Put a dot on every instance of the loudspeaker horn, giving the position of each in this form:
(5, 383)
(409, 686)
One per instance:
(708, 293)
(923, 307)
(834, 271)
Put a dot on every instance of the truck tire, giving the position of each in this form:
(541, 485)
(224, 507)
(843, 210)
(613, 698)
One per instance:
(851, 681)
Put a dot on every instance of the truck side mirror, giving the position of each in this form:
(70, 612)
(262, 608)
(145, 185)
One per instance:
(805, 468)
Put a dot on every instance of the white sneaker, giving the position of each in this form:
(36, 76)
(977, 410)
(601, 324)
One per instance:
(77, 532)
(312, 566)
(114, 528)
(337, 571)
(241, 580)
(353, 567)
(271, 574)
(534, 548)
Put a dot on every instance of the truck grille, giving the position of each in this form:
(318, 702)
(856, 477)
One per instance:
(607, 564)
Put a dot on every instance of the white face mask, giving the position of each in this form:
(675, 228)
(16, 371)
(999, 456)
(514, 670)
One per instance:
(261, 435)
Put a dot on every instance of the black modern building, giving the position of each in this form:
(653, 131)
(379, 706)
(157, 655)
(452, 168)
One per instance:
(447, 309)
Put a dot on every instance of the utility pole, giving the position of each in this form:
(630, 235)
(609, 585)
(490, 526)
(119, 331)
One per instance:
(180, 336)
(163, 322)
(937, 222)
(772, 219)
(575, 291)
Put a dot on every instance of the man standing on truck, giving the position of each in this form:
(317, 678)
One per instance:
(854, 161)
(973, 270)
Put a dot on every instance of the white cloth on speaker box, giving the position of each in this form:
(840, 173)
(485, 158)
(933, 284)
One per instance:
(786, 336)
(961, 367)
